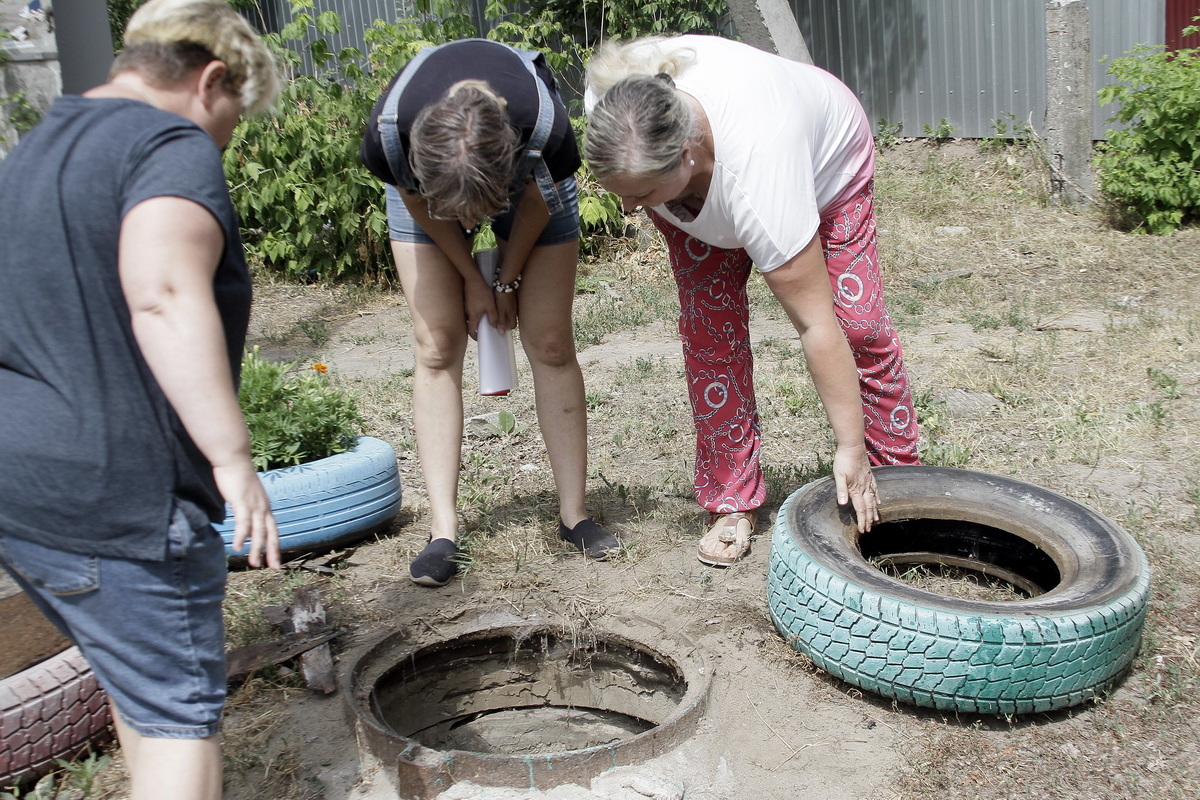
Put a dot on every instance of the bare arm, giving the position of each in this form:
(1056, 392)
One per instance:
(169, 251)
(528, 223)
(478, 299)
(802, 287)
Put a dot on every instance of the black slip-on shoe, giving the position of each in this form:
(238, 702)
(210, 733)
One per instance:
(436, 565)
(590, 539)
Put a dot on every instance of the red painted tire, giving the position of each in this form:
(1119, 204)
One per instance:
(51, 710)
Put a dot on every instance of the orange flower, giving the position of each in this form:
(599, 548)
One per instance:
(321, 368)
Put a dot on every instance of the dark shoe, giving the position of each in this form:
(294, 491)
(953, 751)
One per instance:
(591, 540)
(436, 565)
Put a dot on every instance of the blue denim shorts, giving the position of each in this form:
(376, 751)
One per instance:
(562, 227)
(151, 631)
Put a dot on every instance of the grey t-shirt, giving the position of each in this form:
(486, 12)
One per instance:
(92, 456)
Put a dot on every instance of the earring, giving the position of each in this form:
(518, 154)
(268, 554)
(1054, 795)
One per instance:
(692, 163)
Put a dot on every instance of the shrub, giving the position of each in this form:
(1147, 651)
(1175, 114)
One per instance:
(308, 206)
(1150, 170)
(628, 19)
(295, 417)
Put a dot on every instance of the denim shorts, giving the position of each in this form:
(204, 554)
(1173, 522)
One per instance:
(562, 227)
(151, 631)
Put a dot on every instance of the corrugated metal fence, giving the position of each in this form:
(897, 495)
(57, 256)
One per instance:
(969, 62)
(912, 62)
(1180, 14)
(356, 16)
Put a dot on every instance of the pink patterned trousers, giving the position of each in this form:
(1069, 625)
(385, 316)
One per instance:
(714, 327)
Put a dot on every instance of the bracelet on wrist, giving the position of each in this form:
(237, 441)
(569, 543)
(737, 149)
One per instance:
(506, 288)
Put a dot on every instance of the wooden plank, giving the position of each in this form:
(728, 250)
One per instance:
(308, 614)
(244, 660)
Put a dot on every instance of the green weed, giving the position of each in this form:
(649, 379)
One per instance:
(940, 133)
(887, 134)
(1165, 383)
(505, 425)
(317, 331)
(596, 400)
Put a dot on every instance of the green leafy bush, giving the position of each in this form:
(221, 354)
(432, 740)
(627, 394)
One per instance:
(295, 416)
(309, 208)
(627, 19)
(1150, 170)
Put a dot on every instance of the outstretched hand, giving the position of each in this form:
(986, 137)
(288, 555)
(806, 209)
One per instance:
(856, 484)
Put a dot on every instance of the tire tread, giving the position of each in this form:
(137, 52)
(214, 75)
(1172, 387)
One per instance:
(952, 661)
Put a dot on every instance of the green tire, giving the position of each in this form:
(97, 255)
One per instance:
(1070, 641)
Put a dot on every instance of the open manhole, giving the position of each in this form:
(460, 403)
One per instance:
(525, 705)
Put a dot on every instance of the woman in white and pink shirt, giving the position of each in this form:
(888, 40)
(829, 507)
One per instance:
(743, 157)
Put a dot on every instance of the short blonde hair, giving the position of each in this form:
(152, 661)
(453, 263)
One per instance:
(166, 38)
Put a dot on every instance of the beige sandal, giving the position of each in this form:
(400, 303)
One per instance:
(728, 540)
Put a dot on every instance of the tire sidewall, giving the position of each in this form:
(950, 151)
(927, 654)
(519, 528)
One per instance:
(310, 500)
(1098, 561)
(1042, 653)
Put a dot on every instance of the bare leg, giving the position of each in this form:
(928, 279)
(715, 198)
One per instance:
(434, 291)
(544, 314)
(181, 769)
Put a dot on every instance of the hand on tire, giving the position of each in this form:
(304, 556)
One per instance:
(856, 484)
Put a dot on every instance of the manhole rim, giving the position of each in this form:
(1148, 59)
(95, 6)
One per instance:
(421, 772)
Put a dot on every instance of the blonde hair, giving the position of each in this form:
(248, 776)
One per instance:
(481, 86)
(615, 60)
(462, 150)
(640, 123)
(166, 39)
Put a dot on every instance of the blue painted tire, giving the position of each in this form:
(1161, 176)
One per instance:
(1070, 639)
(331, 502)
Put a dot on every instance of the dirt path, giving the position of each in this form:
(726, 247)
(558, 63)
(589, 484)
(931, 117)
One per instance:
(774, 728)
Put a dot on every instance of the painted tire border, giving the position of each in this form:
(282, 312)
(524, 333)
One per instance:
(330, 502)
(1042, 653)
(52, 709)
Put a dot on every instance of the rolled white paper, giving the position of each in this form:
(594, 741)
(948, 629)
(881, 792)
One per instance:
(497, 355)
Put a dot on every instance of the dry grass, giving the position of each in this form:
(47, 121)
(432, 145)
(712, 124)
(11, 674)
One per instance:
(1085, 338)
(1089, 339)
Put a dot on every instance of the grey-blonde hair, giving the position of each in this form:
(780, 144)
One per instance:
(462, 150)
(167, 39)
(615, 60)
(640, 123)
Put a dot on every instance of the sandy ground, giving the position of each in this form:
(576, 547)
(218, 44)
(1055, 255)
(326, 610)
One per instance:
(775, 728)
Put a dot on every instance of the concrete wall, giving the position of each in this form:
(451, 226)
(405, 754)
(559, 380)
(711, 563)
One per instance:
(28, 67)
